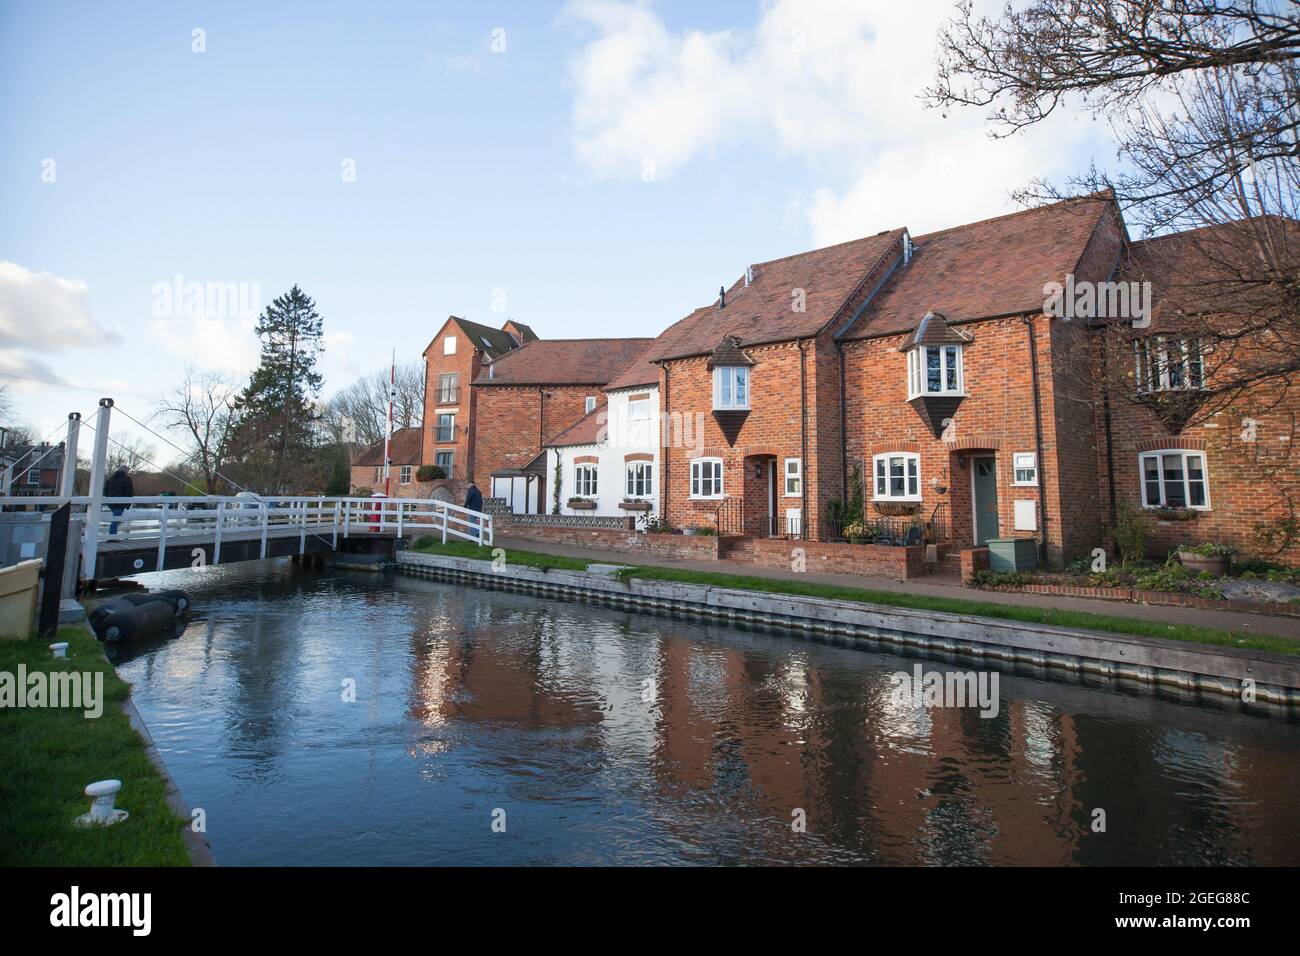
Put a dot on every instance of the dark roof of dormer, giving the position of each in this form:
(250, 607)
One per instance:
(933, 329)
(728, 352)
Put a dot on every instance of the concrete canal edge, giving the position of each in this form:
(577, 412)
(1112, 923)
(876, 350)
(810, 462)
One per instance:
(1202, 668)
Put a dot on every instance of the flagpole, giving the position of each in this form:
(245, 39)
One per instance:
(388, 432)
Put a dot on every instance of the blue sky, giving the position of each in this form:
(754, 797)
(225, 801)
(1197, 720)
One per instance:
(607, 169)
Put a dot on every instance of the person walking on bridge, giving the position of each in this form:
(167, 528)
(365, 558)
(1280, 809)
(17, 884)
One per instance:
(118, 485)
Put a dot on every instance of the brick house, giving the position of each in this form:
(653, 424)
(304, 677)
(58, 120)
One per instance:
(928, 368)
(405, 455)
(528, 397)
(33, 469)
(458, 354)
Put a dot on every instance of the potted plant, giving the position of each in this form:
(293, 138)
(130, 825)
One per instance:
(582, 504)
(632, 504)
(1213, 559)
(856, 532)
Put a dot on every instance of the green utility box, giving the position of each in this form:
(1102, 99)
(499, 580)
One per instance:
(1013, 554)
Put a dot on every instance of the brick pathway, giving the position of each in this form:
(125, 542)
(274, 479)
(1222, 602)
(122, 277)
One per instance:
(941, 585)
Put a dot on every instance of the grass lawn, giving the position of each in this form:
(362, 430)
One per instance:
(49, 754)
(1115, 624)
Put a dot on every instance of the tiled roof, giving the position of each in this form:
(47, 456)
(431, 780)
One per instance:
(1205, 270)
(565, 362)
(494, 342)
(984, 269)
(582, 432)
(640, 374)
(405, 450)
(763, 312)
(728, 353)
(933, 329)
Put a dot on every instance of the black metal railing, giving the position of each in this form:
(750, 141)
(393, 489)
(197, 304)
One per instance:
(729, 518)
(896, 530)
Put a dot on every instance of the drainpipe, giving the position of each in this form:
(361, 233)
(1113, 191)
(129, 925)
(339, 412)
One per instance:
(1038, 435)
(844, 435)
(663, 449)
(1110, 442)
(803, 444)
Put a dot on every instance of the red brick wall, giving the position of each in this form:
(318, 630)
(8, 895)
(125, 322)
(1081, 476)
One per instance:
(771, 429)
(513, 422)
(1249, 482)
(996, 417)
(686, 547)
(871, 560)
(467, 363)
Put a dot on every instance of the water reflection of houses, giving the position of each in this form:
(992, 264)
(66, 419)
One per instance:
(746, 729)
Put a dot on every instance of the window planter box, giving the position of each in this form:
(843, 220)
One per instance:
(635, 505)
(896, 507)
(1173, 514)
(582, 504)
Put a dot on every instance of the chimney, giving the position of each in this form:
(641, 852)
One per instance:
(722, 297)
(749, 275)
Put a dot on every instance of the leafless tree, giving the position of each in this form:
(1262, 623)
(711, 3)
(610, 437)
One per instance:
(130, 454)
(1202, 98)
(202, 409)
(359, 412)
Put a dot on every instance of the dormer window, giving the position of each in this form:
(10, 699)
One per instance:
(730, 387)
(1169, 364)
(935, 370)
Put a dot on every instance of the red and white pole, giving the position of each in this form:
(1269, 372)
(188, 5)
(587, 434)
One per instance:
(388, 432)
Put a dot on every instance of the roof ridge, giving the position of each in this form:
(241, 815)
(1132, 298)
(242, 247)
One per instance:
(833, 245)
(1011, 215)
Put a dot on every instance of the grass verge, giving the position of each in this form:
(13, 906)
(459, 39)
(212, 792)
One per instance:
(1052, 617)
(49, 754)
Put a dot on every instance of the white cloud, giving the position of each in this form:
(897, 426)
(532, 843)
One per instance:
(833, 83)
(45, 312)
(227, 344)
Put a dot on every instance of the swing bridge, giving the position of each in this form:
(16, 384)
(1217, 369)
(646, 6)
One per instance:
(124, 536)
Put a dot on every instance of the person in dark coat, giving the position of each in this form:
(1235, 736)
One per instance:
(474, 499)
(118, 485)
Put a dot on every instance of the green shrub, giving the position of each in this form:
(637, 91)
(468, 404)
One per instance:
(430, 473)
(1208, 549)
(1001, 578)
(1132, 526)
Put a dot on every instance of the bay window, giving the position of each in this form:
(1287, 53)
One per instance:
(1169, 364)
(898, 477)
(1174, 479)
(706, 478)
(935, 370)
(731, 387)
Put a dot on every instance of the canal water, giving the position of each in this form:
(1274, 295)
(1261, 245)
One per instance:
(346, 718)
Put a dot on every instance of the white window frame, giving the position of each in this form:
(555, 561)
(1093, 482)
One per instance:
(449, 345)
(646, 478)
(728, 377)
(917, 368)
(437, 427)
(448, 384)
(639, 410)
(1024, 461)
(33, 476)
(698, 479)
(911, 476)
(451, 460)
(404, 475)
(1185, 454)
(589, 405)
(586, 479)
(1152, 365)
(796, 475)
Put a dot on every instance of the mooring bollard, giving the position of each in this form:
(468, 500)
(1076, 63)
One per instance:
(60, 648)
(102, 813)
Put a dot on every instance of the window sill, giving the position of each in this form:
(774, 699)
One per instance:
(936, 395)
(706, 497)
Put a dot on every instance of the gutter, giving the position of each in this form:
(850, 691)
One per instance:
(803, 445)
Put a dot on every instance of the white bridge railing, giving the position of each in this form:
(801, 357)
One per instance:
(158, 521)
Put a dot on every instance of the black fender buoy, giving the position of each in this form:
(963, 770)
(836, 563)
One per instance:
(103, 609)
(134, 621)
(179, 600)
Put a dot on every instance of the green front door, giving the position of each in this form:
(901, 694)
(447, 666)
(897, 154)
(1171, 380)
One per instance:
(986, 498)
